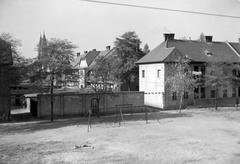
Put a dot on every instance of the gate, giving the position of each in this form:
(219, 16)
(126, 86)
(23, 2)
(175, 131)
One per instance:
(95, 107)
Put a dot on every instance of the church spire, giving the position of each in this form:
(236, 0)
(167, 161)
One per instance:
(40, 41)
(42, 44)
(44, 40)
(40, 47)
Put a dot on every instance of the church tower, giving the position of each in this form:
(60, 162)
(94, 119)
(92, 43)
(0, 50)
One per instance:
(41, 45)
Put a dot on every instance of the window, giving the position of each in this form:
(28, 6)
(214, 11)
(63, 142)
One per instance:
(158, 73)
(202, 93)
(234, 91)
(196, 94)
(185, 96)
(208, 53)
(196, 68)
(143, 73)
(174, 96)
(212, 93)
(224, 93)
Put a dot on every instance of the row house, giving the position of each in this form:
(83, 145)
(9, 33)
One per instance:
(87, 60)
(154, 68)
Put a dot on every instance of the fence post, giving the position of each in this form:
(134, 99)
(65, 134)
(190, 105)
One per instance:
(146, 116)
(131, 109)
(62, 105)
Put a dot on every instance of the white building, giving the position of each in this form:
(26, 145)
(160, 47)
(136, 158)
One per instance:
(154, 68)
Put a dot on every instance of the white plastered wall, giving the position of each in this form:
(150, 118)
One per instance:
(152, 84)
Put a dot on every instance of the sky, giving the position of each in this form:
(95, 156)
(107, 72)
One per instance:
(96, 25)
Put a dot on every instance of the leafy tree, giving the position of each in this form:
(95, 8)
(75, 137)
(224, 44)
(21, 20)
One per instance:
(15, 43)
(181, 80)
(128, 52)
(218, 76)
(201, 37)
(146, 49)
(57, 62)
(52, 69)
(101, 75)
(15, 71)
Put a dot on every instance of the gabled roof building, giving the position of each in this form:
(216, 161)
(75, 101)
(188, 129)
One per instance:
(154, 67)
(86, 60)
(83, 62)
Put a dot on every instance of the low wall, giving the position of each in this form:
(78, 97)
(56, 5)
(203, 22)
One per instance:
(228, 101)
(66, 104)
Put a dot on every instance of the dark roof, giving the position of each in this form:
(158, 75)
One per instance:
(158, 54)
(90, 56)
(102, 53)
(196, 50)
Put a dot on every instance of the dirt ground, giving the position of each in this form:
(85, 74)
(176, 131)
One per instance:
(195, 136)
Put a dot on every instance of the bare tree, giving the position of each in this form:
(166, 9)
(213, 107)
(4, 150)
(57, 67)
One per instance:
(219, 75)
(181, 80)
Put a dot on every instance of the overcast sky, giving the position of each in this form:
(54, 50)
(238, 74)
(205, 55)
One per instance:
(95, 25)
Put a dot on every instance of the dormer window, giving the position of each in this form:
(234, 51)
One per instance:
(208, 53)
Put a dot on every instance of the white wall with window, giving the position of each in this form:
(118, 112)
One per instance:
(151, 81)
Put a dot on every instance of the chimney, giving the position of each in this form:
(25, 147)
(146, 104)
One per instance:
(208, 38)
(93, 49)
(78, 54)
(85, 52)
(168, 36)
(108, 47)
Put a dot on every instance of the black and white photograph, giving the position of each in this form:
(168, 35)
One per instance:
(119, 82)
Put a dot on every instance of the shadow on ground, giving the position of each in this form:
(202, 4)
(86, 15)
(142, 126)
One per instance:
(34, 125)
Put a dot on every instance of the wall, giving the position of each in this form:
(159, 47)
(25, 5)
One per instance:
(66, 104)
(152, 84)
(229, 101)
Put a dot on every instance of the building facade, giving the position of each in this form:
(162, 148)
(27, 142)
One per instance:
(155, 66)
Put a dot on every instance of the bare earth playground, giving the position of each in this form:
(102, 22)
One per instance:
(194, 136)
